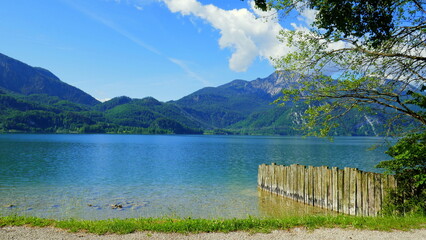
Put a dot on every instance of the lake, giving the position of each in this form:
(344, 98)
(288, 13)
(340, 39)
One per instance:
(122, 176)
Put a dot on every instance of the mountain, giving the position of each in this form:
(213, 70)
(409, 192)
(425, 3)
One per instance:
(35, 100)
(220, 107)
(288, 121)
(18, 77)
(148, 112)
(245, 107)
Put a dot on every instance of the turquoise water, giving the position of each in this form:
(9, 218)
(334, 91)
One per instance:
(82, 176)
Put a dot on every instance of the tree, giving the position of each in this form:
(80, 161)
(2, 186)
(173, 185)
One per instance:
(365, 55)
(409, 166)
(376, 50)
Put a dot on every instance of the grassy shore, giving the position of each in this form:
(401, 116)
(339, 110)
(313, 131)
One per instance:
(188, 225)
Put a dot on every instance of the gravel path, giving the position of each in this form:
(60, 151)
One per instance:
(17, 233)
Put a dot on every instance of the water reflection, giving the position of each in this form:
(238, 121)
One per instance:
(273, 205)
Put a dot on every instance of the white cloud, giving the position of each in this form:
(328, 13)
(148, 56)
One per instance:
(247, 33)
(103, 99)
(308, 15)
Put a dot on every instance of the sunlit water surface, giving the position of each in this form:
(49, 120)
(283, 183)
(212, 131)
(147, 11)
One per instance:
(84, 176)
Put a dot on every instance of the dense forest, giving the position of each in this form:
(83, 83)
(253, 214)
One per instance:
(40, 113)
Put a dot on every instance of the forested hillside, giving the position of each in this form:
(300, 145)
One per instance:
(35, 100)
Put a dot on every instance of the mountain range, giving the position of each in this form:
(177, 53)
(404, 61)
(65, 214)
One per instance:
(33, 99)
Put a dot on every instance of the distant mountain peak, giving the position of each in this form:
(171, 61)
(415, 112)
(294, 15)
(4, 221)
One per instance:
(18, 77)
(274, 83)
(271, 85)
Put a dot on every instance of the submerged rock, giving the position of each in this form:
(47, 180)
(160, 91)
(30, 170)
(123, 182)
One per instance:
(116, 206)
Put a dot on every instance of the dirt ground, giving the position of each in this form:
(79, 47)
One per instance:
(17, 233)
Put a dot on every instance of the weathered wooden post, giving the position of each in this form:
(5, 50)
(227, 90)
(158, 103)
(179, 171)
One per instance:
(378, 192)
(371, 191)
(334, 172)
(311, 185)
(352, 198)
(358, 207)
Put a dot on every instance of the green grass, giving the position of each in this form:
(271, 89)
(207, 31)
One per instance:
(188, 225)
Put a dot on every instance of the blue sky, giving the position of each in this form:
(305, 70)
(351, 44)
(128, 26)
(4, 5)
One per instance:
(161, 48)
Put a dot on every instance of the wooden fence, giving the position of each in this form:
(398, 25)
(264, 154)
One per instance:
(349, 191)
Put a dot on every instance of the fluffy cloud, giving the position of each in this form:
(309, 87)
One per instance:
(308, 15)
(246, 32)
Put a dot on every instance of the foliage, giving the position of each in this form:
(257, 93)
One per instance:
(409, 166)
(372, 19)
(189, 225)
